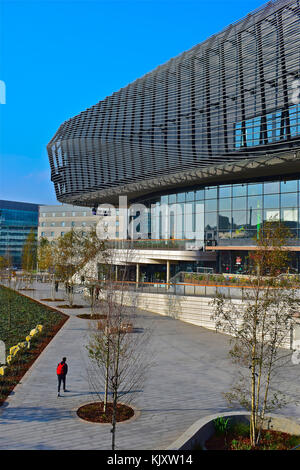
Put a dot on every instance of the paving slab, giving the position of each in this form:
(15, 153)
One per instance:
(192, 370)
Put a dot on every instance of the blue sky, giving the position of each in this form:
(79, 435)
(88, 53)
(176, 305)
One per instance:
(58, 58)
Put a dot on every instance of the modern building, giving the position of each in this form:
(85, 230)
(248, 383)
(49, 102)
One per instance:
(17, 219)
(56, 220)
(215, 131)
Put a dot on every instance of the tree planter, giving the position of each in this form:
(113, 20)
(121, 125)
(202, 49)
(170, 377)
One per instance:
(91, 316)
(204, 429)
(93, 412)
(70, 306)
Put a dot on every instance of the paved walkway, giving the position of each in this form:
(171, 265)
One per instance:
(187, 382)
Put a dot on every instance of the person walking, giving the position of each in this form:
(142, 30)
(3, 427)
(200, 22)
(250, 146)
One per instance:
(61, 371)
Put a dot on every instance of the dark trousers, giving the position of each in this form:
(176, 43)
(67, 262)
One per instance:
(61, 379)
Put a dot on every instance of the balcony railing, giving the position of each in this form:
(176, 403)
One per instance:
(153, 244)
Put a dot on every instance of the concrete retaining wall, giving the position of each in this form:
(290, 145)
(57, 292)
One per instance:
(203, 429)
(195, 310)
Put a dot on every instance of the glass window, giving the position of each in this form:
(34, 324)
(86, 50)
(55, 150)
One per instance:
(224, 191)
(254, 189)
(239, 219)
(255, 218)
(53, 214)
(225, 204)
(239, 203)
(239, 190)
(238, 134)
(289, 186)
(224, 220)
(62, 233)
(190, 196)
(211, 193)
(52, 234)
(225, 235)
(271, 188)
(62, 224)
(42, 234)
(211, 221)
(271, 201)
(181, 197)
(200, 194)
(272, 215)
(290, 215)
(289, 200)
(63, 214)
(254, 202)
(211, 205)
(72, 224)
(172, 198)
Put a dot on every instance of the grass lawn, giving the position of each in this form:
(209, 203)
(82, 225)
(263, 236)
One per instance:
(18, 316)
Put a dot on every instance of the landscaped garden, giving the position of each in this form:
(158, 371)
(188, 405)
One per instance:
(236, 436)
(19, 317)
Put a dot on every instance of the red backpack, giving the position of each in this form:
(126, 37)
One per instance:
(60, 369)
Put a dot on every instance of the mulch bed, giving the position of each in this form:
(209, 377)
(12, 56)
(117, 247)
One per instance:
(93, 412)
(270, 440)
(52, 300)
(91, 316)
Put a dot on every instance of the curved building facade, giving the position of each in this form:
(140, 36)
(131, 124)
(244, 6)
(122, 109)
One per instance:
(219, 122)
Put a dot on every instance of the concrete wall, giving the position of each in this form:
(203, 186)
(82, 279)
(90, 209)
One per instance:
(195, 310)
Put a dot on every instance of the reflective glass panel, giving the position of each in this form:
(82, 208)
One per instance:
(239, 190)
(271, 188)
(289, 200)
(211, 193)
(211, 205)
(190, 196)
(225, 204)
(224, 220)
(254, 202)
(271, 201)
(211, 221)
(254, 189)
(254, 218)
(239, 203)
(289, 186)
(224, 191)
(272, 215)
(200, 194)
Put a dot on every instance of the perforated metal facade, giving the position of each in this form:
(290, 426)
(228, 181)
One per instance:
(229, 99)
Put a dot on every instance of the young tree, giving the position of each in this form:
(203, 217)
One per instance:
(260, 326)
(29, 256)
(46, 258)
(73, 252)
(118, 347)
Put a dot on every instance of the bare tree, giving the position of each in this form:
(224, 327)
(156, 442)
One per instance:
(118, 346)
(260, 327)
(29, 257)
(74, 250)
